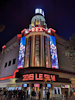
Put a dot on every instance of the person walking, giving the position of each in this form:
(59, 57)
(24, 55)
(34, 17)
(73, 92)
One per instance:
(72, 97)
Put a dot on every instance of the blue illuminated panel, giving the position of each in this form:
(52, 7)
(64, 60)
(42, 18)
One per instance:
(21, 52)
(53, 52)
(49, 85)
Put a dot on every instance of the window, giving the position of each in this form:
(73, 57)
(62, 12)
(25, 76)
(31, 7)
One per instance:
(9, 63)
(14, 61)
(5, 65)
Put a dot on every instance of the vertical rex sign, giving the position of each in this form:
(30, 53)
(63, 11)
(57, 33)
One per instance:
(21, 52)
(53, 52)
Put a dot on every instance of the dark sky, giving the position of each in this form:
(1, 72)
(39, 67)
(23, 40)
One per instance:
(16, 15)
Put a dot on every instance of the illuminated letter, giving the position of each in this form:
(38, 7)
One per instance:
(40, 77)
(31, 76)
(25, 77)
(36, 29)
(47, 76)
(41, 29)
(53, 77)
(33, 29)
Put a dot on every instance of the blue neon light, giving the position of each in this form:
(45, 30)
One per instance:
(22, 52)
(53, 52)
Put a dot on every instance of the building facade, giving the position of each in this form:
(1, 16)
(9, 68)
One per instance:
(37, 61)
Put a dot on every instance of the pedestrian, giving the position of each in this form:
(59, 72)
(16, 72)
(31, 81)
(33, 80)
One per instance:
(66, 94)
(39, 95)
(72, 97)
(48, 95)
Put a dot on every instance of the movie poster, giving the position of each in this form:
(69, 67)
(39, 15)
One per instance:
(21, 52)
(53, 52)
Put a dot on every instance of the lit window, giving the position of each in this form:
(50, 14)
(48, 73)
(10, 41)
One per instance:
(5, 65)
(14, 61)
(9, 63)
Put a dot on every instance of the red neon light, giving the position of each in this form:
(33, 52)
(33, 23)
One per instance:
(52, 30)
(4, 46)
(9, 77)
(36, 85)
(19, 37)
(23, 31)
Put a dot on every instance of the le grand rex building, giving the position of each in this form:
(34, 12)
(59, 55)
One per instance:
(37, 60)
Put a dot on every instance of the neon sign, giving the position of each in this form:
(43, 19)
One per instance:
(37, 29)
(21, 52)
(53, 52)
(38, 77)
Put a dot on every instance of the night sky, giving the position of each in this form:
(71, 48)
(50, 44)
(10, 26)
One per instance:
(16, 15)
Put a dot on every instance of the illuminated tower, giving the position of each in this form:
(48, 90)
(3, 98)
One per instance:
(38, 45)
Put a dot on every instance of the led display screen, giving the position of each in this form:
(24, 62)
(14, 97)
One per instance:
(53, 52)
(67, 86)
(21, 52)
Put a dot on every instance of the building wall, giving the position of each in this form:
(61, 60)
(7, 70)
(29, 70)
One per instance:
(63, 60)
(10, 53)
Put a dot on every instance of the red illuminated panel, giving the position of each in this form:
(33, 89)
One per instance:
(36, 85)
(19, 37)
(4, 46)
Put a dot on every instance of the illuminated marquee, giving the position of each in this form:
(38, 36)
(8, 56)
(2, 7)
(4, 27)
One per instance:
(53, 52)
(38, 77)
(37, 29)
(21, 52)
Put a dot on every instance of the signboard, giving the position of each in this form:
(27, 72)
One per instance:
(36, 85)
(38, 77)
(53, 52)
(21, 52)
